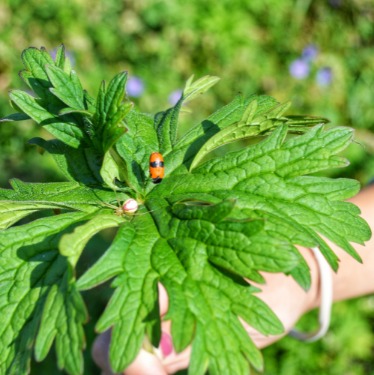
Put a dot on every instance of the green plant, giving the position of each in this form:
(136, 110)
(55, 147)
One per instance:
(340, 352)
(211, 222)
(249, 41)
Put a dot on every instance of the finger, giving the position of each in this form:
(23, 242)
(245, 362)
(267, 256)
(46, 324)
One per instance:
(100, 348)
(146, 364)
(177, 361)
(166, 361)
(163, 299)
(100, 352)
(170, 359)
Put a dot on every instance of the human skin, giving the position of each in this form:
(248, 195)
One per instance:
(281, 293)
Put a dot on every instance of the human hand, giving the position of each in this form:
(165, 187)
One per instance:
(281, 293)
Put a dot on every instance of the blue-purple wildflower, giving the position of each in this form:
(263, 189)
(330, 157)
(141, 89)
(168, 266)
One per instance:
(335, 3)
(324, 76)
(134, 86)
(175, 96)
(309, 53)
(299, 69)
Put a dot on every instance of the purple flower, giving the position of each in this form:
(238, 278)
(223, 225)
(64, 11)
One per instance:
(175, 96)
(53, 53)
(135, 87)
(299, 69)
(309, 53)
(324, 76)
(335, 3)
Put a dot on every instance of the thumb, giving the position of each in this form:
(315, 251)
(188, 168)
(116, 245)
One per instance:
(144, 364)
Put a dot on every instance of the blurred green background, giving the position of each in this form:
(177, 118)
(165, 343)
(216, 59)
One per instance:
(319, 54)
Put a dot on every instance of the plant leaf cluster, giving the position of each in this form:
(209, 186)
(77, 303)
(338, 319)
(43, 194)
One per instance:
(204, 233)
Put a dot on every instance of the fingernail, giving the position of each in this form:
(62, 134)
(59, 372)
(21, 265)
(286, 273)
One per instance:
(166, 345)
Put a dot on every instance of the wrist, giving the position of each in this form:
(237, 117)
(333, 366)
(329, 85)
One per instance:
(313, 299)
(321, 294)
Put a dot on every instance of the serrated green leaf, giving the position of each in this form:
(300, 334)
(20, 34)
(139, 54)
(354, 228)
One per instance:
(110, 112)
(130, 307)
(77, 164)
(208, 296)
(31, 251)
(301, 274)
(89, 102)
(197, 234)
(110, 171)
(115, 94)
(15, 117)
(191, 211)
(294, 121)
(60, 104)
(35, 76)
(166, 126)
(63, 315)
(183, 326)
(186, 148)
(110, 264)
(200, 233)
(266, 178)
(60, 57)
(29, 266)
(68, 110)
(35, 61)
(135, 148)
(11, 211)
(224, 117)
(256, 119)
(249, 112)
(115, 127)
(235, 246)
(67, 131)
(278, 110)
(66, 87)
(63, 195)
(194, 89)
(72, 244)
(166, 122)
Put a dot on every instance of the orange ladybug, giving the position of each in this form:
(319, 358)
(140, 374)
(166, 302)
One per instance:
(156, 167)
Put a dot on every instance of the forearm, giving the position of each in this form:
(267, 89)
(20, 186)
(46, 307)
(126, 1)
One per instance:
(355, 279)
(352, 279)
